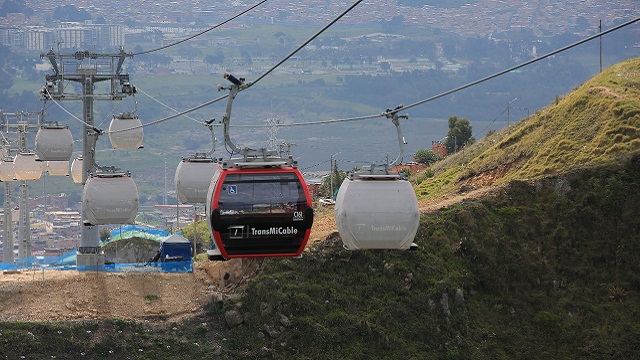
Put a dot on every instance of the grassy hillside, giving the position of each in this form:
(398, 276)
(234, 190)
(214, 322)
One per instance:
(544, 269)
(596, 123)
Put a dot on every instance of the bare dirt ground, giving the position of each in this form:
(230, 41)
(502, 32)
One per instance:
(68, 295)
(59, 295)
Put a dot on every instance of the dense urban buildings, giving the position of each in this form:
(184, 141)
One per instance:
(112, 21)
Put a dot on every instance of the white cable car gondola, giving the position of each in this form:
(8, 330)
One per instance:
(76, 169)
(58, 168)
(376, 212)
(193, 176)
(125, 131)
(110, 197)
(7, 173)
(27, 166)
(376, 208)
(54, 142)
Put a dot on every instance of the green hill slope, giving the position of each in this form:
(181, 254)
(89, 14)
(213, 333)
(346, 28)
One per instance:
(544, 270)
(597, 123)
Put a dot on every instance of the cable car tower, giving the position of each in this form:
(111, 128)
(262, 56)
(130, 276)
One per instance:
(20, 168)
(87, 69)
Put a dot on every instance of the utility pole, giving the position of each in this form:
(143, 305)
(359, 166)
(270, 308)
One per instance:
(87, 68)
(509, 109)
(600, 30)
(331, 173)
(24, 223)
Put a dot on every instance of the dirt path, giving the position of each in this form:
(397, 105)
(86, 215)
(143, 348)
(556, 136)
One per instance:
(429, 206)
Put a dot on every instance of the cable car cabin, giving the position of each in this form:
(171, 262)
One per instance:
(377, 212)
(76, 169)
(192, 179)
(27, 166)
(54, 142)
(57, 168)
(7, 173)
(259, 210)
(125, 131)
(110, 198)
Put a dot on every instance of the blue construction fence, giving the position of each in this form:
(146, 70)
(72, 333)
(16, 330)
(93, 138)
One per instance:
(67, 261)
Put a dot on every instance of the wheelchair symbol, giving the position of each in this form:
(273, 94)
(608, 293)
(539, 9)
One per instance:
(232, 190)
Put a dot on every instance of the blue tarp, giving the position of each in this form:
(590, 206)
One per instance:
(173, 266)
(175, 248)
(130, 231)
(38, 261)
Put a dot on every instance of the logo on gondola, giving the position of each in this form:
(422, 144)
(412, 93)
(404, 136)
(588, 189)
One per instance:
(236, 232)
(232, 190)
(298, 216)
(282, 230)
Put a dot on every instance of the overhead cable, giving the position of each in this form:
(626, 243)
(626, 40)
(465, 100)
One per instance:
(449, 92)
(252, 83)
(305, 43)
(367, 117)
(517, 66)
(205, 31)
(167, 106)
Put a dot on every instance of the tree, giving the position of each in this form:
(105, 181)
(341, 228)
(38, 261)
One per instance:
(427, 157)
(202, 237)
(15, 6)
(333, 181)
(460, 133)
(70, 13)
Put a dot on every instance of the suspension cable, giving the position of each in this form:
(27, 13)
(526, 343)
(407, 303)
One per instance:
(205, 31)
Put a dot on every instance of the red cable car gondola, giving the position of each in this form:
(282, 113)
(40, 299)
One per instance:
(258, 205)
(259, 210)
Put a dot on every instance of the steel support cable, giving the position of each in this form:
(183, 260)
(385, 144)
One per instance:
(205, 31)
(449, 92)
(516, 67)
(304, 44)
(258, 79)
(357, 118)
(167, 106)
(110, 113)
(174, 115)
(67, 111)
(179, 42)
(494, 120)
